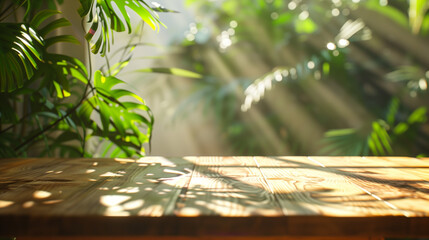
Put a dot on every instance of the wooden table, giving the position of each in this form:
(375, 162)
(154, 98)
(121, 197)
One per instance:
(215, 197)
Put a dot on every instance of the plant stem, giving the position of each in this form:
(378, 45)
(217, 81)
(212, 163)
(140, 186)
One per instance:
(83, 144)
(45, 139)
(13, 125)
(12, 12)
(84, 96)
(108, 65)
(5, 10)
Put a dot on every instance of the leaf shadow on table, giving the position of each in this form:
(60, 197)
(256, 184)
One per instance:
(175, 187)
(180, 187)
(382, 184)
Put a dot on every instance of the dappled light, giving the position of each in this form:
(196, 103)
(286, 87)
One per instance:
(133, 204)
(129, 190)
(298, 78)
(41, 194)
(4, 204)
(124, 160)
(256, 95)
(110, 174)
(113, 200)
(190, 212)
(321, 188)
(49, 202)
(28, 204)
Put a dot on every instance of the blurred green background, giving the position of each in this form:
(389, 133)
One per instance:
(278, 77)
(302, 77)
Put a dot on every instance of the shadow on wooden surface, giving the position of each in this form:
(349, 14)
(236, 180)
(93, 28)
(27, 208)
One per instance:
(213, 196)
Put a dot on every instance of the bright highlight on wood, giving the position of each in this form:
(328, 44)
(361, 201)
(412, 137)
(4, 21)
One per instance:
(245, 196)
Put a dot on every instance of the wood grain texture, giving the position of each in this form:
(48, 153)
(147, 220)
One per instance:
(418, 167)
(94, 187)
(389, 180)
(228, 196)
(212, 197)
(223, 161)
(313, 190)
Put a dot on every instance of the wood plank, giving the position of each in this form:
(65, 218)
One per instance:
(305, 187)
(30, 168)
(226, 167)
(227, 196)
(103, 187)
(232, 197)
(228, 171)
(418, 167)
(284, 161)
(372, 161)
(227, 184)
(404, 161)
(28, 183)
(410, 170)
(170, 161)
(385, 181)
(223, 161)
(322, 192)
(417, 172)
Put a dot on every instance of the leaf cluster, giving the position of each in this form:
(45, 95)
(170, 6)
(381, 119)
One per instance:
(336, 44)
(384, 137)
(50, 103)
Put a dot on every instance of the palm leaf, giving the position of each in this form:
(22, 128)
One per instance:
(159, 8)
(22, 48)
(106, 19)
(345, 142)
(416, 13)
(389, 12)
(61, 38)
(122, 122)
(172, 71)
(58, 23)
(41, 16)
(58, 71)
(413, 76)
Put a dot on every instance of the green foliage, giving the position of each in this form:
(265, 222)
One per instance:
(50, 104)
(415, 79)
(311, 49)
(305, 26)
(172, 71)
(345, 142)
(381, 138)
(389, 11)
(416, 13)
(121, 121)
(105, 18)
(21, 49)
(414, 19)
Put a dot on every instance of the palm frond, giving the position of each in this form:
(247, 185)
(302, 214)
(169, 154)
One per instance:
(23, 54)
(122, 122)
(105, 19)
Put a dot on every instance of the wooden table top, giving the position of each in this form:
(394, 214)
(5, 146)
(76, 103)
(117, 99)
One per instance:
(193, 196)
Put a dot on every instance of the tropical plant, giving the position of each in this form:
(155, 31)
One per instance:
(52, 104)
(294, 70)
(384, 137)
(391, 135)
